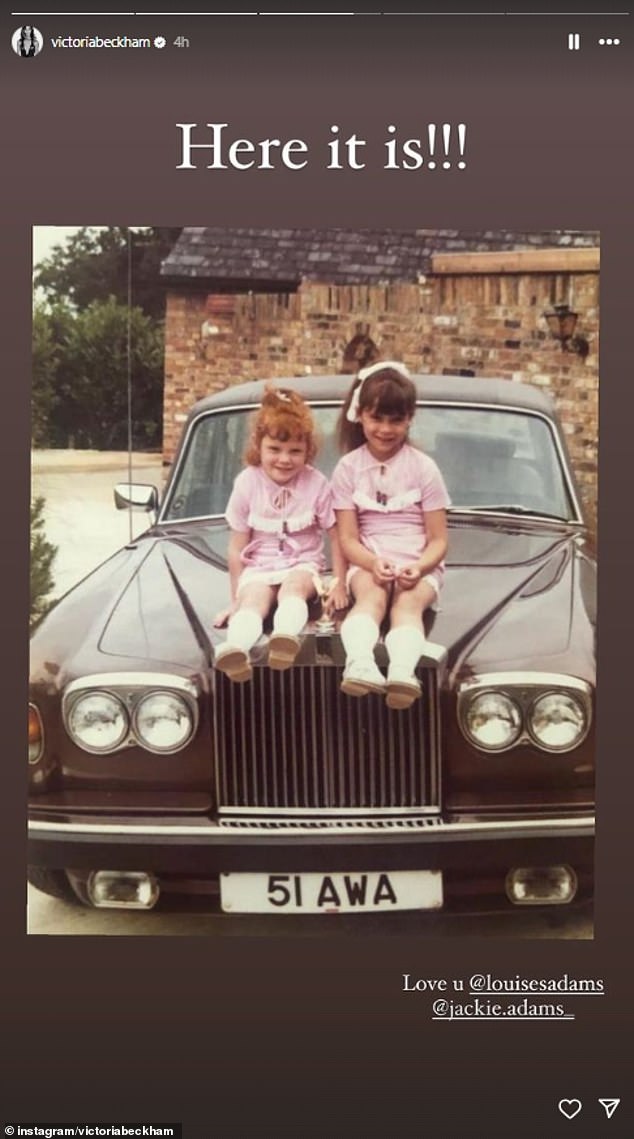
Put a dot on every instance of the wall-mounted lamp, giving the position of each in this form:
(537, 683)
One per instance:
(207, 329)
(207, 332)
(562, 322)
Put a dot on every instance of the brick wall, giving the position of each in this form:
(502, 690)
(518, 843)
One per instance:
(489, 323)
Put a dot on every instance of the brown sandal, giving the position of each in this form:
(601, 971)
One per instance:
(283, 650)
(234, 663)
(402, 693)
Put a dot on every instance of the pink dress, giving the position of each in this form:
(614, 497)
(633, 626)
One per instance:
(391, 499)
(287, 522)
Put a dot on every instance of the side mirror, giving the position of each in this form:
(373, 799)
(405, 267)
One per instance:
(136, 496)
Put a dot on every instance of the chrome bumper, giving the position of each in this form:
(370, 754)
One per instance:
(382, 829)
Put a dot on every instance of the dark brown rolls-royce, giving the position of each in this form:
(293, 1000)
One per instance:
(153, 776)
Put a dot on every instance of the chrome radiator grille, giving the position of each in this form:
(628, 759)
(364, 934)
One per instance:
(292, 741)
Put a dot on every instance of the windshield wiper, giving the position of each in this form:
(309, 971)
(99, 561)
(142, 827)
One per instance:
(509, 508)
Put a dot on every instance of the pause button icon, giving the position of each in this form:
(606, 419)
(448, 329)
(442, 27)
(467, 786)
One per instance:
(574, 41)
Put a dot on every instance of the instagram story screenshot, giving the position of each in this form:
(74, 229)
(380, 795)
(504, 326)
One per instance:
(317, 431)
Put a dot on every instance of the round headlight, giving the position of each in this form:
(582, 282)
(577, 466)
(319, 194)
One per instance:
(492, 720)
(98, 721)
(557, 721)
(163, 721)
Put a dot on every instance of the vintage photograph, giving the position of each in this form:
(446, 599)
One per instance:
(313, 581)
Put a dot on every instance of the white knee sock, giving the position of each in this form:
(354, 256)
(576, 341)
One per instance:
(290, 616)
(244, 629)
(405, 646)
(359, 634)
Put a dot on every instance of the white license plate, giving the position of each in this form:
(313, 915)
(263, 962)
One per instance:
(336, 893)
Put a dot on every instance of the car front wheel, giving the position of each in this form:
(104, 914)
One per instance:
(52, 882)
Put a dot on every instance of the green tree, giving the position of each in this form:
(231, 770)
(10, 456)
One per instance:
(51, 330)
(81, 331)
(83, 378)
(42, 558)
(93, 264)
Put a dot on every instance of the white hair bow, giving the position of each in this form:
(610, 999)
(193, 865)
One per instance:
(352, 413)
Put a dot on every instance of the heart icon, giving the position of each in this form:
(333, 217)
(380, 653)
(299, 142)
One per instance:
(570, 1107)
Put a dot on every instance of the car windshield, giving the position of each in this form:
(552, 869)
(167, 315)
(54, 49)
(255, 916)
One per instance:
(490, 459)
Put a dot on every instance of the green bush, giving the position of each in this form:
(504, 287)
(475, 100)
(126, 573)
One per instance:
(80, 377)
(98, 315)
(42, 558)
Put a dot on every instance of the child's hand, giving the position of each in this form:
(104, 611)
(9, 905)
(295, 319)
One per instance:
(336, 599)
(409, 576)
(383, 571)
(222, 618)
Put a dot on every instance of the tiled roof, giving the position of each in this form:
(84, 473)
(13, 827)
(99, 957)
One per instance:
(229, 258)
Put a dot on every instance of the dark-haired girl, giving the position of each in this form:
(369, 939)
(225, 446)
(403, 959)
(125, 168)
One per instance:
(391, 501)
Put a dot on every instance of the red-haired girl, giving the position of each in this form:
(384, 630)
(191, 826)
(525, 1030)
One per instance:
(278, 511)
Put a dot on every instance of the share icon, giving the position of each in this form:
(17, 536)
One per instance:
(610, 1106)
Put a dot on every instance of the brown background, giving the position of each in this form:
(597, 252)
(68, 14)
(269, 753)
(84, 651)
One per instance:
(300, 1036)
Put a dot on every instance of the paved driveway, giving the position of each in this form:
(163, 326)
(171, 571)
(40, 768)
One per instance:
(80, 515)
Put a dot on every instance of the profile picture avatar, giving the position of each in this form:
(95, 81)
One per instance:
(27, 41)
